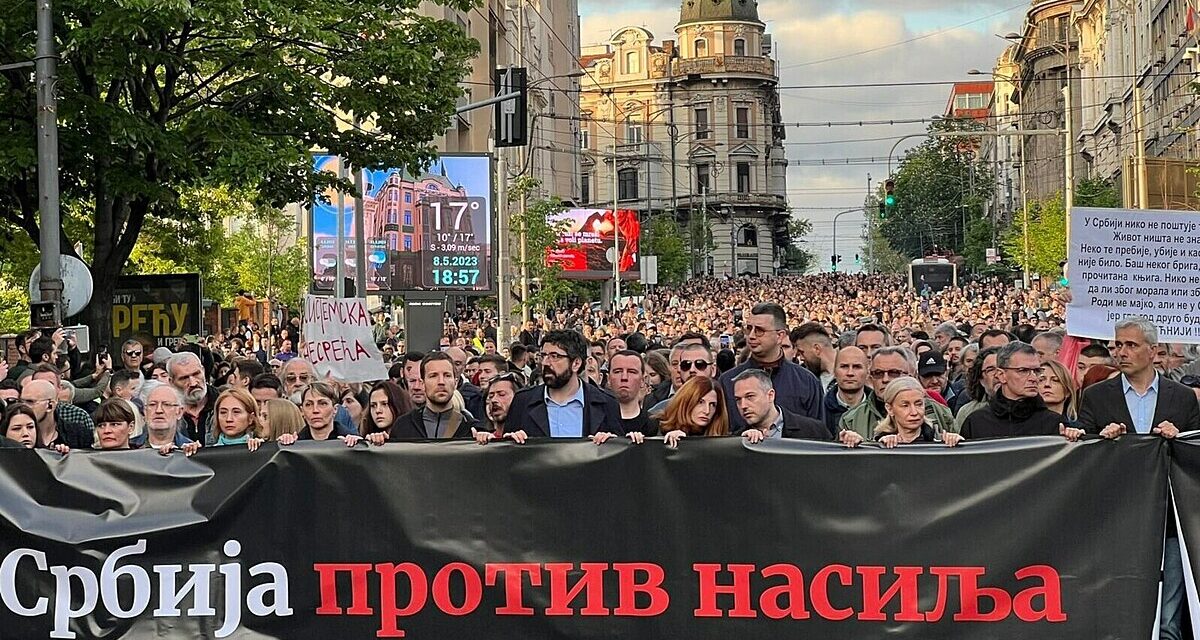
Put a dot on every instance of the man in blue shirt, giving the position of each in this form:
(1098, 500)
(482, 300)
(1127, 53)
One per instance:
(563, 406)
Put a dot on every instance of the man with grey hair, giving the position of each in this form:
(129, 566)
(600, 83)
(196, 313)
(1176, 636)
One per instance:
(164, 411)
(1048, 344)
(187, 374)
(942, 335)
(1017, 408)
(754, 396)
(1143, 401)
(887, 364)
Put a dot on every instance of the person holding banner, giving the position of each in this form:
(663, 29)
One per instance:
(1016, 408)
(1141, 400)
(697, 410)
(386, 404)
(236, 420)
(19, 424)
(438, 419)
(318, 403)
(906, 422)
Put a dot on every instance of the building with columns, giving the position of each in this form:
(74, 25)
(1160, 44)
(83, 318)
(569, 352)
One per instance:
(693, 127)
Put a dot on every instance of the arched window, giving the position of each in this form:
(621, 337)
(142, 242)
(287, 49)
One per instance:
(739, 47)
(633, 63)
(701, 46)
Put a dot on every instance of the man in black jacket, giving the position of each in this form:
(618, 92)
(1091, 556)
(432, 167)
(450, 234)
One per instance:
(1017, 408)
(438, 419)
(754, 396)
(563, 406)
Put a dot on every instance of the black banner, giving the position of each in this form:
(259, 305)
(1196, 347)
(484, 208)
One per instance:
(1028, 538)
(158, 309)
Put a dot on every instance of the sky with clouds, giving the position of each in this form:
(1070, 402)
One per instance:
(822, 42)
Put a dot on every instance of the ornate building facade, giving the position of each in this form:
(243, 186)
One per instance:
(693, 127)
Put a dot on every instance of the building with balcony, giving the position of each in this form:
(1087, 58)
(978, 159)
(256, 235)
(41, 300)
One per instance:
(692, 128)
(1003, 151)
(970, 100)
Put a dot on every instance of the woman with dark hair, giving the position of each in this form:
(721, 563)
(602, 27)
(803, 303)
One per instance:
(386, 404)
(355, 399)
(19, 424)
(114, 425)
(698, 409)
(982, 380)
(318, 403)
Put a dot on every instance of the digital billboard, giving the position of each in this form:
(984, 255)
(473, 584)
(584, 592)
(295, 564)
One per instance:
(430, 232)
(585, 247)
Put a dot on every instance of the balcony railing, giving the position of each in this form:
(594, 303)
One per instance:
(726, 64)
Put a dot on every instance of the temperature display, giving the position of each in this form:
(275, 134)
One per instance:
(456, 246)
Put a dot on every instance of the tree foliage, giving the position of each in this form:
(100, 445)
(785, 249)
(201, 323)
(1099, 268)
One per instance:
(157, 98)
(1048, 226)
(938, 185)
(664, 240)
(542, 230)
(797, 257)
(882, 257)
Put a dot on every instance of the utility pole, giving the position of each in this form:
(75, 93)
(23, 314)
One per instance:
(49, 237)
(525, 311)
(360, 239)
(503, 233)
(612, 96)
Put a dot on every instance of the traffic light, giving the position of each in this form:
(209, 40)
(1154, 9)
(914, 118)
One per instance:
(833, 262)
(857, 259)
(889, 197)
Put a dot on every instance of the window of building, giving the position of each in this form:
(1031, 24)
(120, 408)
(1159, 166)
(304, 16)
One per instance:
(585, 187)
(703, 175)
(960, 102)
(633, 63)
(702, 124)
(743, 122)
(391, 217)
(585, 139)
(743, 177)
(408, 218)
(407, 197)
(701, 47)
(392, 242)
(976, 101)
(408, 243)
(748, 236)
(633, 131)
(739, 47)
(627, 184)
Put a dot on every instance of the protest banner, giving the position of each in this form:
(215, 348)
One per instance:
(1025, 538)
(1133, 262)
(338, 341)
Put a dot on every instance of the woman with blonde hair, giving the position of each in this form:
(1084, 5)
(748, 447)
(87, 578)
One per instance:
(280, 417)
(235, 420)
(1058, 391)
(905, 422)
(698, 409)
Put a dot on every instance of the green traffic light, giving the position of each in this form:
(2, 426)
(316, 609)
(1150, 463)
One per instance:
(890, 200)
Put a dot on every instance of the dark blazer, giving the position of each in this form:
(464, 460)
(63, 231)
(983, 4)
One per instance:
(472, 398)
(804, 427)
(796, 389)
(601, 412)
(657, 394)
(1104, 403)
(411, 426)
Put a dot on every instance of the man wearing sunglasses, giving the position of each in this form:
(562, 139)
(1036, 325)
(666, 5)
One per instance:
(796, 388)
(688, 360)
(887, 364)
(131, 355)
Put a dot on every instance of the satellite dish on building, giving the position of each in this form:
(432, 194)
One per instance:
(77, 285)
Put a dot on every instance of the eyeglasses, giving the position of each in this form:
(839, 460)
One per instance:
(752, 330)
(553, 356)
(686, 365)
(880, 374)
(133, 354)
(155, 406)
(297, 378)
(1024, 372)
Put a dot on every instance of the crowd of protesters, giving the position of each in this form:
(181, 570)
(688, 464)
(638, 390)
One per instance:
(840, 358)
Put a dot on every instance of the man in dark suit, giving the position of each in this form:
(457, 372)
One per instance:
(1142, 401)
(438, 419)
(754, 396)
(563, 406)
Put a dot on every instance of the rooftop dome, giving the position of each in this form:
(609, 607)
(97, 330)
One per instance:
(717, 10)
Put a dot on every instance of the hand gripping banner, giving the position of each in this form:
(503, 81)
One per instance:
(1030, 538)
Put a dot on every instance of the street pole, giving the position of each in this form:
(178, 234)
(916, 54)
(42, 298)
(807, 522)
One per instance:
(503, 233)
(1024, 222)
(50, 285)
(1139, 125)
(360, 239)
(339, 283)
(616, 227)
(835, 219)
(870, 231)
(1069, 165)
(524, 230)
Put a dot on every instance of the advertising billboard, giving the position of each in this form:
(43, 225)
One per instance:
(585, 248)
(431, 232)
(157, 309)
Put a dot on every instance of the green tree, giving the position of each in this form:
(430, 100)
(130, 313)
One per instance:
(1097, 192)
(156, 98)
(883, 258)
(542, 230)
(664, 240)
(264, 263)
(797, 257)
(1047, 237)
(940, 188)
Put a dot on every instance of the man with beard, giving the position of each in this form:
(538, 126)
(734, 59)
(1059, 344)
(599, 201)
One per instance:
(796, 388)
(563, 406)
(187, 375)
(500, 393)
(814, 350)
(438, 419)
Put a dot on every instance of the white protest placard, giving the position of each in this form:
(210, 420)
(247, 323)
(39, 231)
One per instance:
(1133, 262)
(338, 340)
